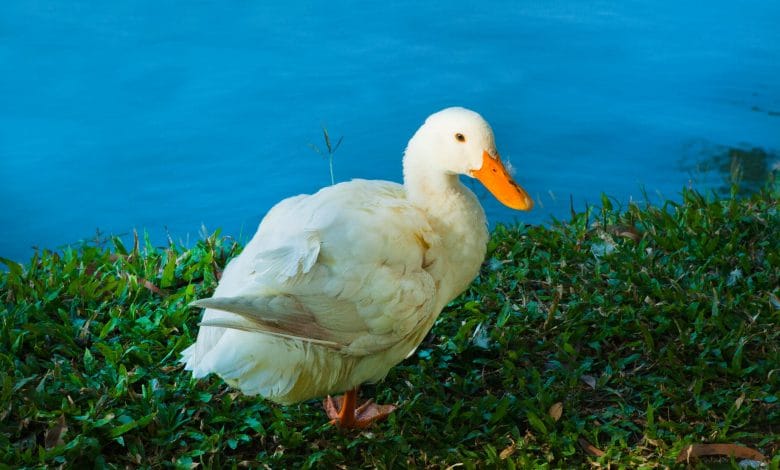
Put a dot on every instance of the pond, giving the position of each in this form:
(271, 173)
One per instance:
(172, 116)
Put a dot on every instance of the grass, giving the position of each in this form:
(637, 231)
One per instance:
(329, 152)
(616, 338)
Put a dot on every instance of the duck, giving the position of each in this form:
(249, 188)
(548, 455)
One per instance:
(337, 287)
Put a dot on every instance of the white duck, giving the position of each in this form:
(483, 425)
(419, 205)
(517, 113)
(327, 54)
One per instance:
(337, 287)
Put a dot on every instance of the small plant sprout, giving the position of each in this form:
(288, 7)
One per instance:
(330, 150)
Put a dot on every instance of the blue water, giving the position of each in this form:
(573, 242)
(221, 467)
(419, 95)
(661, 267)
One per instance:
(166, 116)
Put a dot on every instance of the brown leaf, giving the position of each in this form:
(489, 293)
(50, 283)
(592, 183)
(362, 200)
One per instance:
(151, 286)
(556, 411)
(590, 449)
(53, 436)
(217, 271)
(506, 453)
(738, 402)
(625, 231)
(731, 450)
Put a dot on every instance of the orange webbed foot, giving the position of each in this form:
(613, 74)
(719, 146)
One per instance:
(343, 413)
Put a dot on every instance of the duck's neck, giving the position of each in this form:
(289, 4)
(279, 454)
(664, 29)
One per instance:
(454, 214)
(426, 188)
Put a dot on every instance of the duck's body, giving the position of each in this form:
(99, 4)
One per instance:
(337, 287)
(377, 281)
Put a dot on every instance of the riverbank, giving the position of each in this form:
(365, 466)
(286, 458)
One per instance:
(622, 335)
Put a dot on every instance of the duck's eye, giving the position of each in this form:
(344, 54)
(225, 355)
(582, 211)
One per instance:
(460, 137)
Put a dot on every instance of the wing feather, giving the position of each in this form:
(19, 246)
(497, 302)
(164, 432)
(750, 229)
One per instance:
(254, 327)
(348, 273)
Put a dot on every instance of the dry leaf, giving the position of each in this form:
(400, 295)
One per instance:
(625, 231)
(53, 436)
(150, 286)
(590, 449)
(730, 450)
(738, 402)
(556, 411)
(506, 453)
(589, 380)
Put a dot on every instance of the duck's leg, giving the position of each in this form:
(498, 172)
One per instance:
(343, 413)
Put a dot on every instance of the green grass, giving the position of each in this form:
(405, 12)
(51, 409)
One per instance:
(646, 328)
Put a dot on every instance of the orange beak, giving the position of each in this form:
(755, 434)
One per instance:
(495, 177)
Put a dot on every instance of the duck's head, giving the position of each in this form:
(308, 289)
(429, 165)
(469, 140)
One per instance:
(460, 141)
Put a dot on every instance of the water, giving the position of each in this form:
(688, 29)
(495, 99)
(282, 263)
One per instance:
(165, 116)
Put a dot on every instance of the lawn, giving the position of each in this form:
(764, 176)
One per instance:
(619, 337)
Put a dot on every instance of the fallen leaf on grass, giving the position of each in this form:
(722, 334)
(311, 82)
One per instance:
(506, 453)
(729, 450)
(590, 449)
(53, 436)
(625, 231)
(738, 402)
(556, 411)
(151, 286)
